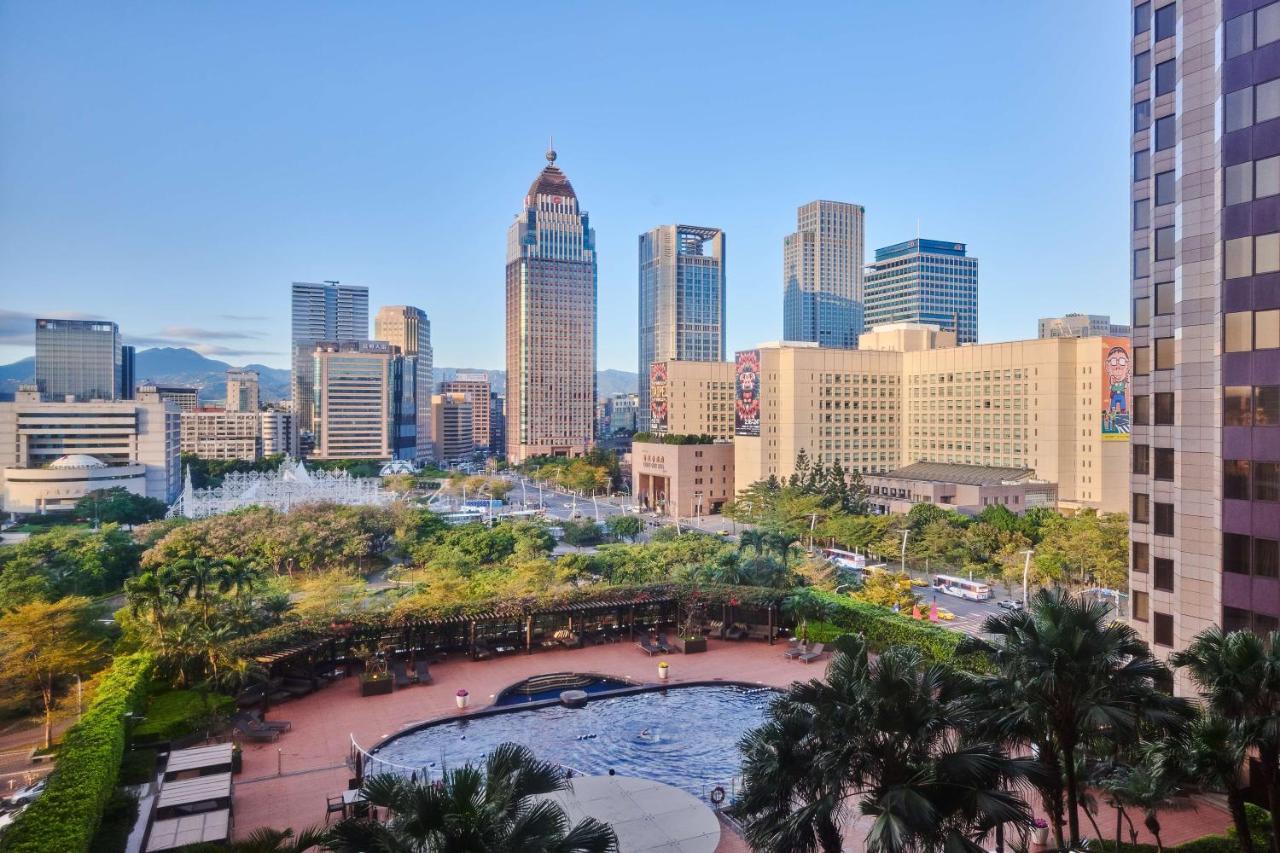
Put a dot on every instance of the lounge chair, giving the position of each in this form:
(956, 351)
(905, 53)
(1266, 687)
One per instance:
(813, 654)
(401, 675)
(796, 650)
(482, 650)
(297, 686)
(758, 632)
(250, 697)
(251, 731)
(735, 632)
(422, 671)
(663, 644)
(647, 647)
(273, 725)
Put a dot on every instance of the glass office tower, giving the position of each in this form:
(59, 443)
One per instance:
(924, 281)
(81, 359)
(822, 275)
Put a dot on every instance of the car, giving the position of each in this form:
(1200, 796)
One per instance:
(27, 795)
(1009, 604)
(920, 583)
(945, 615)
(723, 532)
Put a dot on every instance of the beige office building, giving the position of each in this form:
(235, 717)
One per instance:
(408, 328)
(215, 434)
(908, 395)
(242, 391)
(451, 419)
(682, 480)
(278, 433)
(692, 398)
(354, 416)
(475, 386)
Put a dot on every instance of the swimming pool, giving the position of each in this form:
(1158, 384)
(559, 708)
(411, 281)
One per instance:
(686, 736)
(540, 688)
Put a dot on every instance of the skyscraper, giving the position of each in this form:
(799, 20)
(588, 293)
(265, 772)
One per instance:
(357, 398)
(242, 391)
(682, 304)
(1205, 514)
(551, 322)
(475, 386)
(924, 281)
(128, 371)
(409, 329)
(822, 275)
(80, 359)
(322, 312)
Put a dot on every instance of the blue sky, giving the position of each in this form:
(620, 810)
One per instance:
(174, 166)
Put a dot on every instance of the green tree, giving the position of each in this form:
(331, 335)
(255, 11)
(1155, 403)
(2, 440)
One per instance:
(581, 533)
(119, 506)
(624, 527)
(888, 589)
(67, 561)
(45, 646)
(489, 809)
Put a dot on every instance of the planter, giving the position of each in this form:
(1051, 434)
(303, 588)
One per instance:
(237, 760)
(662, 671)
(461, 698)
(691, 645)
(1040, 835)
(375, 686)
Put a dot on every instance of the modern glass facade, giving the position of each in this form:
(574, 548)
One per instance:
(81, 359)
(822, 287)
(682, 299)
(924, 281)
(409, 329)
(322, 312)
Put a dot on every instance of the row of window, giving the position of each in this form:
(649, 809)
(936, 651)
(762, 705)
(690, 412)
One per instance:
(1163, 349)
(1250, 555)
(1244, 331)
(1251, 105)
(1251, 405)
(1166, 20)
(1244, 480)
(1162, 402)
(1252, 29)
(1161, 568)
(1163, 457)
(1163, 304)
(1253, 255)
(1145, 509)
(1256, 179)
(1161, 624)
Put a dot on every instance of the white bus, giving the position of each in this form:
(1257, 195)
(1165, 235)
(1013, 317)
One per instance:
(845, 559)
(961, 588)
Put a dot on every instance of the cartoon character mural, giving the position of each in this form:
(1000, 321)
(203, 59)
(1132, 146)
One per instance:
(746, 398)
(658, 395)
(1116, 368)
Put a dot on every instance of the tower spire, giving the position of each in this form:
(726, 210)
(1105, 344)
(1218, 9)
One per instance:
(551, 149)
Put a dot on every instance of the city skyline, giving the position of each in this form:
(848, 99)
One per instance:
(257, 219)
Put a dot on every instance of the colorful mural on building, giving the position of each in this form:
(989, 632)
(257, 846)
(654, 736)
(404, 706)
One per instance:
(658, 396)
(746, 397)
(1117, 371)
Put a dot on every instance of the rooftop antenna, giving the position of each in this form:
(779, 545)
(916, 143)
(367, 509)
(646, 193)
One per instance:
(551, 149)
(917, 229)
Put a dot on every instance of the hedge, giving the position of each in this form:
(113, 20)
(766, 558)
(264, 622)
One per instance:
(67, 814)
(175, 713)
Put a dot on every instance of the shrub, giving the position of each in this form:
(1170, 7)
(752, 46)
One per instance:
(67, 815)
(138, 767)
(175, 713)
(117, 822)
(883, 629)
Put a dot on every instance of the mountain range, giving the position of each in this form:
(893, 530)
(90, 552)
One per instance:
(183, 366)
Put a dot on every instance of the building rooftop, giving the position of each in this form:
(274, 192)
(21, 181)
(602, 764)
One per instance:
(77, 460)
(551, 181)
(967, 475)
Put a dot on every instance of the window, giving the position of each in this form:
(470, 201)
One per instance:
(1142, 311)
(1163, 515)
(1266, 405)
(1240, 257)
(1141, 459)
(1164, 354)
(1239, 109)
(1235, 479)
(1234, 619)
(1235, 553)
(1164, 463)
(1141, 165)
(1141, 18)
(1166, 133)
(1237, 39)
(1164, 298)
(1238, 181)
(1166, 77)
(1141, 263)
(1237, 405)
(1140, 606)
(1141, 116)
(1142, 214)
(1266, 177)
(1162, 629)
(1141, 361)
(1238, 331)
(1266, 481)
(1141, 557)
(1166, 21)
(1266, 558)
(1266, 329)
(1266, 101)
(1162, 574)
(1142, 67)
(1268, 27)
(1164, 244)
(1164, 186)
(1266, 253)
(1141, 508)
(1164, 408)
(1142, 410)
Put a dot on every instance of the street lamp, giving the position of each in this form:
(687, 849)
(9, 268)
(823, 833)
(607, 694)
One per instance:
(1026, 568)
(905, 534)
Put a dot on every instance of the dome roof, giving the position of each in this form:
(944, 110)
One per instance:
(77, 460)
(551, 181)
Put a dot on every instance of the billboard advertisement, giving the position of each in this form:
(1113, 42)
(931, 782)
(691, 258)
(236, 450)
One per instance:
(746, 396)
(658, 396)
(1117, 375)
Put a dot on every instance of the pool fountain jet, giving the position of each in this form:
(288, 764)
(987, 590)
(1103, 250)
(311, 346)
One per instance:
(574, 698)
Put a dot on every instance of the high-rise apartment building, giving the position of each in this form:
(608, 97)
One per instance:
(822, 275)
(185, 397)
(682, 299)
(924, 281)
(128, 371)
(1081, 326)
(409, 329)
(1205, 514)
(551, 322)
(79, 359)
(327, 311)
(451, 419)
(475, 386)
(278, 433)
(357, 395)
(242, 391)
(221, 434)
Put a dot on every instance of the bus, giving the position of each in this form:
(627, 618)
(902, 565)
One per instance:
(961, 588)
(845, 559)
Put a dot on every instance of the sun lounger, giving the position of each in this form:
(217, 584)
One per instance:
(796, 651)
(663, 644)
(813, 654)
(297, 686)
(401, 675)
(249, 731)
(273, 725)
(482, 651)
(735, 632)
(422, 671)
(647, 647)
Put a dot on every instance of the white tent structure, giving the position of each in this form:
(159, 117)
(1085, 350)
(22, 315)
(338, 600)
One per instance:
(282, 489)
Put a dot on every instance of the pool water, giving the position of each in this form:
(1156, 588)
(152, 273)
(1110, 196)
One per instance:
(682, 736)
(515, 695)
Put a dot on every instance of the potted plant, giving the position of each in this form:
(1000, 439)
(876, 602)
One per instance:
(662, 670)
(375, 683)
(1041, 832)
(691, 639)
(461, 698)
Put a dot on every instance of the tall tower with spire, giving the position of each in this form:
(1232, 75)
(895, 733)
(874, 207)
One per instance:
(551, 322)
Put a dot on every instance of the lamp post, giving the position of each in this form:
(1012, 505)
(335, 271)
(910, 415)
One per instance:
(1026, 568)
(905, 534)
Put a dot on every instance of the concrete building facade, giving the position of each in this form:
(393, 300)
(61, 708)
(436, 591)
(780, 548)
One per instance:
(218, 434)
(551, 322)
(924, 281)
(822, 275)
(278, 433)
(682, 480)
(454, 437)
(186, 398)
(476, 388)
(682, 299)
(325, 311)
(79, 359)
(692, 398)
(242, 391)
(356, 395)
(409, 329)
(1081, 326)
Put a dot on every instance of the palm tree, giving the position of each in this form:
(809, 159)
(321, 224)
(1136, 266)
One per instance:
(474, 810)
(1214, 749)
(885, 734)
(237, 575)
(196, 578)
(752, 538)
(264, 840)
(1151, 785)
(154, 594)
(780, 542)
(1239, 677)
(1065, 674)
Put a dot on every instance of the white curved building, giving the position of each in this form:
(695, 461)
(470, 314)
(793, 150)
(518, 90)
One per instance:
(58, 486)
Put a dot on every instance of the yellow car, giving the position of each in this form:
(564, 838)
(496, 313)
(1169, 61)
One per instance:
(945, 615)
